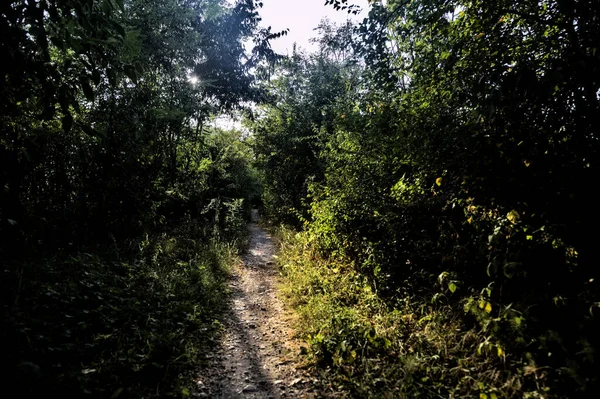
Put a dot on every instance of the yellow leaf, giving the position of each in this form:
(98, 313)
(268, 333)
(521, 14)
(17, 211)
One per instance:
(493, 396)
(438, 181)
(482, 396)
(488, 307)
(513, 216)
(485, 305)
(470, 220)
(500, 351)
(527, 163)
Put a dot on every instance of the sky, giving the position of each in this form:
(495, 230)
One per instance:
(301, 17)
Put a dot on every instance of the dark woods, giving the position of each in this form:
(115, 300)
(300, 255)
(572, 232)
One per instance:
(121, 204)
(102, 132)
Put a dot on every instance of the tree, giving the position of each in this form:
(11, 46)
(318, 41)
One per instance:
(114, 77)
(465, 148)
(294, 128)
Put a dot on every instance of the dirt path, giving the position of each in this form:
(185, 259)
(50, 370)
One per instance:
(257, 355)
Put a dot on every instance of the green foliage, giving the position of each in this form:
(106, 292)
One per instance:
(415, 348)
(292, 131)
(458, 165)
(133, 326)
(105, 109)
(100, 120)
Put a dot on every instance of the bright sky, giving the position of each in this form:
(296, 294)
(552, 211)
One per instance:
(302, 17)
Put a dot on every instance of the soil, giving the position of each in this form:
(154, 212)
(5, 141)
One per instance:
(257, 356)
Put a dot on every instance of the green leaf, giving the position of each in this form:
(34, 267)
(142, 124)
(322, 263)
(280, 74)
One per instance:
(452, 287)
(107, 6)
(88, 371)
(117, 393)
(119, 4)
(500, 353)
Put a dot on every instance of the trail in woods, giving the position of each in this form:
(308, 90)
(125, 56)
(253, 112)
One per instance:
(257, 354)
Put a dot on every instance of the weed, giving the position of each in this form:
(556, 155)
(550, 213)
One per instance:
(86, 324)
(412, 347)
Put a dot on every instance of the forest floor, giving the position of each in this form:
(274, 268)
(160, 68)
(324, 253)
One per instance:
(258, 353)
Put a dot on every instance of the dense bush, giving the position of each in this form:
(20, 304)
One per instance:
(459, 165)
(121, 203)
(103, 129)
(102, 325)
(403, 348)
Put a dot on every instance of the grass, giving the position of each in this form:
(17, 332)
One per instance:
(364, 346)
(109, 326)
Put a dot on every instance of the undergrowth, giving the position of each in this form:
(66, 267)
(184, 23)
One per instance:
(115, 326)
(414, 347)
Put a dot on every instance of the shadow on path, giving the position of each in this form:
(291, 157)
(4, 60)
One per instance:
(255, 357)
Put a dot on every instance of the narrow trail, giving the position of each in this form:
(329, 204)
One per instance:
(257, 353)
